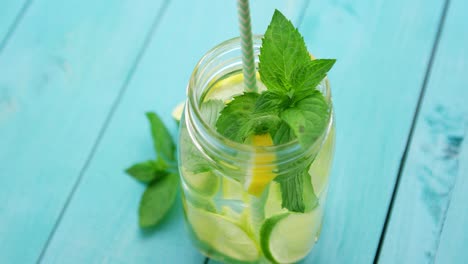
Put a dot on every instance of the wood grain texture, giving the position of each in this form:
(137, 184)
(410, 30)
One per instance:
(428, 222)
(60, 73)
(382, 48)
(10, 13)
(102, 218)
(454, 238)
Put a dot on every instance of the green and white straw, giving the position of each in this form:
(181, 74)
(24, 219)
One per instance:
(248, 61)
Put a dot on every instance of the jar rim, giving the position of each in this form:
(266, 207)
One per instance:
(287, 149)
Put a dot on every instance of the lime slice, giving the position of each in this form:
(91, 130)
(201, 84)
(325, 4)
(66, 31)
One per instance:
(232, 190)
(273, 203)
(288, 237)
(222, 235)
(205, 183)
(233, 200)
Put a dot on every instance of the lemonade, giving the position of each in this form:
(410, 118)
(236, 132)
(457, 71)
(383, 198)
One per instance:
(232, 201)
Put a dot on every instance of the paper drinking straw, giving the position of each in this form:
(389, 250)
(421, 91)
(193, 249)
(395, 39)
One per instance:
(248, 61)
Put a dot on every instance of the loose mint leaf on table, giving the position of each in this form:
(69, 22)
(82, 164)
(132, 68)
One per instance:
(162, 140)
(148, 171)
(283, 49)
(157, 200)
(161, 175)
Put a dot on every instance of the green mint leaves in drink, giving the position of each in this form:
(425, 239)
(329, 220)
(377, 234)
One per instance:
(160, 175)
(290, 108)
(240, 118)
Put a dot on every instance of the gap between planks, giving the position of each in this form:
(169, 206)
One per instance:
(427, 76)
(14, 25)
(102, 131)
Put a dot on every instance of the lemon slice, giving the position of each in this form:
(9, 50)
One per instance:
(258, 175)
(177, 112)
(222, 235)
(288, 237)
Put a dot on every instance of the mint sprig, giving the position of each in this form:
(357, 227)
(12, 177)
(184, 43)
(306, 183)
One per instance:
(157, 200)
(148, 171)
(283, 49)
(291, 107)
(160, 175)
(162, 140)
(307, 118)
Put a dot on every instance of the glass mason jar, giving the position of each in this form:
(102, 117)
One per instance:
(225, 220)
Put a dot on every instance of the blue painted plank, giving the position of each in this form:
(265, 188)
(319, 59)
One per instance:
(428, 223)
(382, 49)
(60, 73)
(102, 218)
(10, 13)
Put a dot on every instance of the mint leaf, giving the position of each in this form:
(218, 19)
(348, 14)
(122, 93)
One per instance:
(194, 161)
(283, 134)
(305, 78)
(271, 102)
(235, 119)
(238, 119)
(291, 107)
(308, 118)
(297, 191)
(162, 140)
(291, 191)
(148, 171)
(296, 186)
(283, 49)
(210, 111)
(157, 200)
(308, 194)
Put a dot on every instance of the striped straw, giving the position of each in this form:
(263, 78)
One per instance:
(248, 61)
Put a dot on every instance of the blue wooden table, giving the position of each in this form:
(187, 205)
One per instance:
(76, 77)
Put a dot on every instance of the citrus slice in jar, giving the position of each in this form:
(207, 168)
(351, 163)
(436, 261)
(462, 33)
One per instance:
(288, 237)
(205, 183)
(178, 111)
(222, 235)
(259, 176)
(320, 168)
